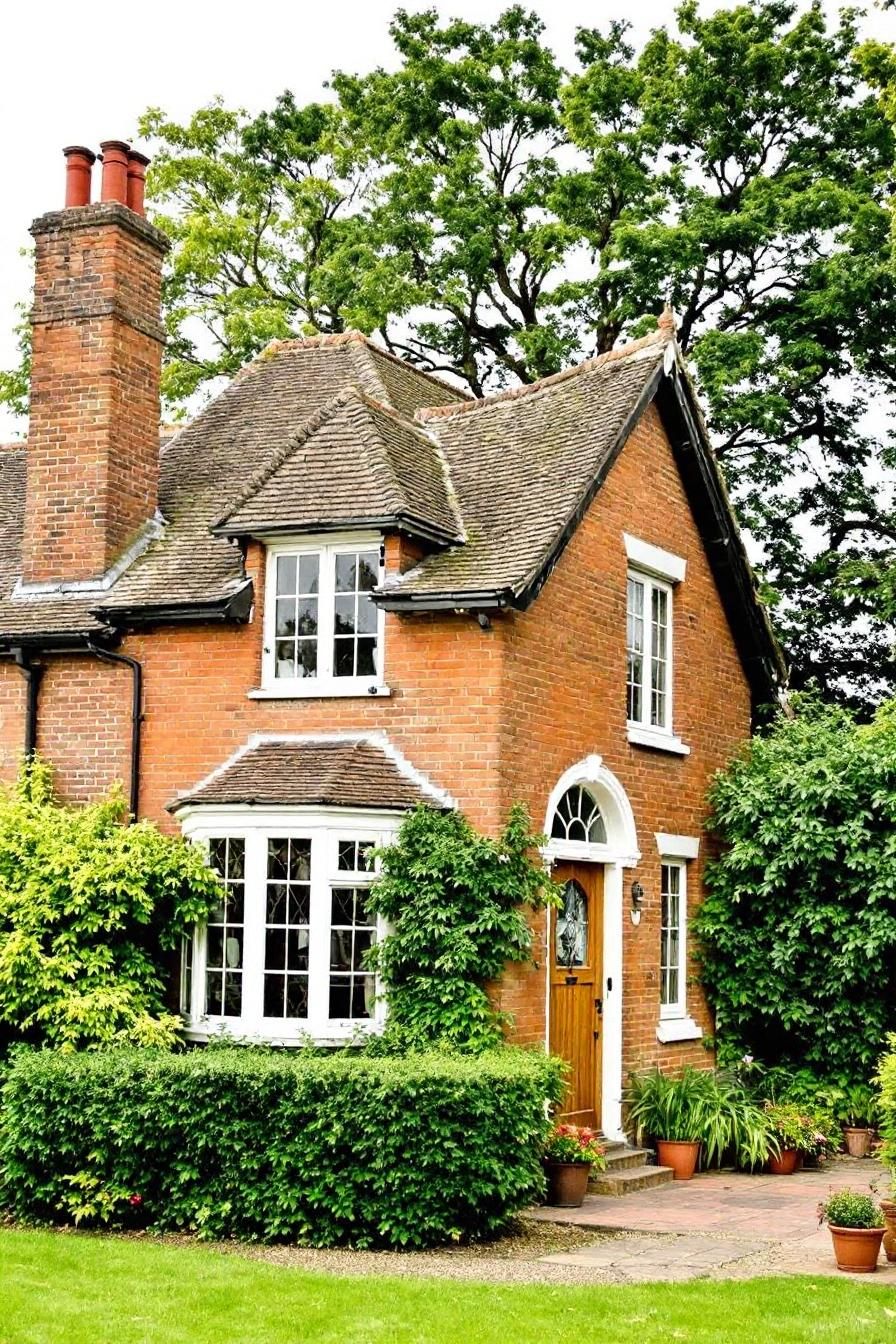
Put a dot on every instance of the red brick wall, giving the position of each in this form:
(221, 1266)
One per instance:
(565, 682)
(96, 359)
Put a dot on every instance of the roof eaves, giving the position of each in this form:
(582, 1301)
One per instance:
(383, 522)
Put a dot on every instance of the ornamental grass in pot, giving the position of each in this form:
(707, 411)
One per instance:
(856, 1224)
(571, 1152)
(697, 1109)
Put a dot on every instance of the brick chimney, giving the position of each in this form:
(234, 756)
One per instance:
(93, 434)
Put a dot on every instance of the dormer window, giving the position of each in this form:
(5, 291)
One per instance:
(323, 634)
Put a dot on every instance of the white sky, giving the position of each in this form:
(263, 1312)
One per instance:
(81, 73)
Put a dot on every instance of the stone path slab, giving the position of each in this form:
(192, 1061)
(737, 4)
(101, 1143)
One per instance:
(721, 1224)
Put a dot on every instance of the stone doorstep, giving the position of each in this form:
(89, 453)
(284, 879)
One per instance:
(628, 1170)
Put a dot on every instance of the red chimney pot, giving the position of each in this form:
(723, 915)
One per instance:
(137, 164)
(78, 172)
(115, 170)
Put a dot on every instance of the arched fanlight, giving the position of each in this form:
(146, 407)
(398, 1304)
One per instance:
(578, 818)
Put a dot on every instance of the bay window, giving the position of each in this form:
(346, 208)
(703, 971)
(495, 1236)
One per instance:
(283, 956)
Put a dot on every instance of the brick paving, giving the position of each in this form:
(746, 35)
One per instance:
(720, 1224)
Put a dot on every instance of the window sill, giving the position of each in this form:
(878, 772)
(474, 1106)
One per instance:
(322, 690)
(678, 1029)
(334, 1033)
(656, 739)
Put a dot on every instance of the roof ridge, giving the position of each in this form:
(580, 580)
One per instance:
(659, 338)
(301, 435)
(324, 339)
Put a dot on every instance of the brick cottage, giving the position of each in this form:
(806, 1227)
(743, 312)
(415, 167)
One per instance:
(345, 589)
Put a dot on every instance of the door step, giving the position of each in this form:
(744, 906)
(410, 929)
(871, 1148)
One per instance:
(628, 1170)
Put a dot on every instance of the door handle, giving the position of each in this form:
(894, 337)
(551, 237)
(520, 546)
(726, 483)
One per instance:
(599, 1005)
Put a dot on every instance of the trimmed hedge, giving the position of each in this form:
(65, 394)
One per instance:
(234, 1142)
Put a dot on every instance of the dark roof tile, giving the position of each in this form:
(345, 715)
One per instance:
(327, 772)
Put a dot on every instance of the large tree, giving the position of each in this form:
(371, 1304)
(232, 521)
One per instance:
(495, 217)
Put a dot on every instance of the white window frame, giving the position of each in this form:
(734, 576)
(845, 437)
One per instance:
(677, 1009)
(657, 569)
(325, 828)
(675, 1025)
(326, 683)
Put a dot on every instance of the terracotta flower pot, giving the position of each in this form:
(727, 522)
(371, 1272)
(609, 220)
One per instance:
(567, 1183)
(784, 1164)
(856, 1249)
(858, 1141)
(680, 1156)
(888, 1207)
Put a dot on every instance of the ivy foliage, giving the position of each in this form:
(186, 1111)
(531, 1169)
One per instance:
(886, 1089)
(456, 902)
(277, 1145)
(798, 930)
(89, 908)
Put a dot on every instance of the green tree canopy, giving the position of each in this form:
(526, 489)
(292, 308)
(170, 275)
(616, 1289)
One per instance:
(798, 930)
(89, 908)
(495, 217)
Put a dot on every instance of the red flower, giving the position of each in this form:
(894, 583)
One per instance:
(135, 1200)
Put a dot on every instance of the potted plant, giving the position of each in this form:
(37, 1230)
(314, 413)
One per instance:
(857, 1229)
(791, 1130)
(859, 1115)
(697, 1109)
(570, 1153)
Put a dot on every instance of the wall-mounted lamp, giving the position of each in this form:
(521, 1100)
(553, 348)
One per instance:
(637, 902)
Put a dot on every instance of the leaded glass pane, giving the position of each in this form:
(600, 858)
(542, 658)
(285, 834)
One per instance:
(287, 928)
(572, 927)
(351, 936)
(225, 929)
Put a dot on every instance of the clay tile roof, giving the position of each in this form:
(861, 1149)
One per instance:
(523, 463)
(207, 463)
(315, 771)
(355, 461)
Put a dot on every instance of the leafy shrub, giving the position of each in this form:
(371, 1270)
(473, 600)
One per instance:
(850, 1208)
(456, 901)
(885, 1080)
(700, 1106)
(88, 908)
(391, 1152)
(798, 929)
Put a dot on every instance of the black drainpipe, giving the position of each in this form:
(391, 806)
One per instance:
(136, 716)
(32, 673)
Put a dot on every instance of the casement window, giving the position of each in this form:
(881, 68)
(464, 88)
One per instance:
(649, 641)
(673, 939)
(322, 633)
(649, 645)
(676, 852)
(283, 956)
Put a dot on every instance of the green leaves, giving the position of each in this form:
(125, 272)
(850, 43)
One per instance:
(278, 1146)
(798, 930)
(455, 902)
(89, 908)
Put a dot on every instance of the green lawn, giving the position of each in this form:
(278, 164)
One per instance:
(95, 1290)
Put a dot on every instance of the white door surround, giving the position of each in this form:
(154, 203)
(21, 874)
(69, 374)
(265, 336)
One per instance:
(620, 851)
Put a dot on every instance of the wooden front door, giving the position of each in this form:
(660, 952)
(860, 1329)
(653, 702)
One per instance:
(577, 987)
